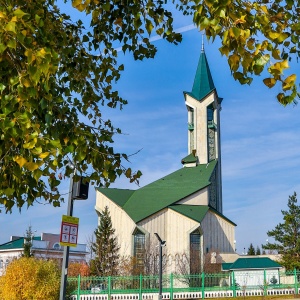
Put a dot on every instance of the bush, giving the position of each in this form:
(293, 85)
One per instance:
(30, 278)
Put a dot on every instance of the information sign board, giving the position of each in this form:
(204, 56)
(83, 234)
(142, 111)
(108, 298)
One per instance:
(69, 231)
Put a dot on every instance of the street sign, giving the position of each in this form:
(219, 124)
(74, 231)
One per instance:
(69, 231)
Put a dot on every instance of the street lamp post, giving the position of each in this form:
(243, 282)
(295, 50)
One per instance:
(161, 244)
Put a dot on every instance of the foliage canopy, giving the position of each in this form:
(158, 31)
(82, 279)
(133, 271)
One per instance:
(56, 74)
(30, 278)
(287, 235)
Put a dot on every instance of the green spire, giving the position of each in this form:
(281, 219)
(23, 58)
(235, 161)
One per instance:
(203, 82)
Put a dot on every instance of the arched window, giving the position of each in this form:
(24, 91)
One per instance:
(1, 264)
(56, 246)
(139, 246)
(195, 252)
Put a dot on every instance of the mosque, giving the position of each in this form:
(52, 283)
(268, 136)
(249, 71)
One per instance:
(184, 208)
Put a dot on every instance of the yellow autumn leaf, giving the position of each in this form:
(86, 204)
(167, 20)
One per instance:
(291, 78)
(289, 82)
(26, 82)
(30, 144)
(21, 161)
(44, 155)
(31, 166)
(264, 9)
(41, 53)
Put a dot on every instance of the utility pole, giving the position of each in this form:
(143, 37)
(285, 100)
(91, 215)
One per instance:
(65, 262)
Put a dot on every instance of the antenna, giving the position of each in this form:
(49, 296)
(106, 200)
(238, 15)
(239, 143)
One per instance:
(202, 47)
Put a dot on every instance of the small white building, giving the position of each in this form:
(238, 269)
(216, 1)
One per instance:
(185, 207)
(44, 246)
(254, 271)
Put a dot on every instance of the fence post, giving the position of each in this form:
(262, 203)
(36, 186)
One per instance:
(265, 283)
(78, 287)
(109, 287)
(171, 286)
(233, 284)
(141, 287)
(203, 285)
(296, 281)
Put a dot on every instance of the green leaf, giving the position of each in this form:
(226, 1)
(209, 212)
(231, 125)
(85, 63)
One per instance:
(85, 38)
(11, 26)
(2, 47)
(149, 26)
(2, 87)
(19, 13)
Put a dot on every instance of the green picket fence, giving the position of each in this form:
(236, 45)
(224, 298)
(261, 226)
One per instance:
(204, 283)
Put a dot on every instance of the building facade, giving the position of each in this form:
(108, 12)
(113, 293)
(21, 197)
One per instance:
(45, 246)
(185, 207)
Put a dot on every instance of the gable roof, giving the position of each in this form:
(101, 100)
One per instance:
(168, 190)
(252, 263)
(17, 243)
(203, 82)
(194, 212)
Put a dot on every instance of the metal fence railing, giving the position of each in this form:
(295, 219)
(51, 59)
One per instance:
(178, 286)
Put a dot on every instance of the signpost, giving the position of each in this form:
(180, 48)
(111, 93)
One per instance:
(69, 231)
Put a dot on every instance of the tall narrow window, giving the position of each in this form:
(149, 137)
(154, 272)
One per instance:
(139, 246)
(195, 252)
(211, 127)
(191, 121)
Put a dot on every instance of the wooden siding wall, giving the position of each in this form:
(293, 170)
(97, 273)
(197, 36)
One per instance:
(222, 239)
(198, 198)
(121, 222)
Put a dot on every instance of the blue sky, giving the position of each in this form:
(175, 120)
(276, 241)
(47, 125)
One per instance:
(259, 141)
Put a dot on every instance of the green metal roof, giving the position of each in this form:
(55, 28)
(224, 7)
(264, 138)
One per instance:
(226, 266)
(189, 159)
(16, 244)
(194, 212)
(203, 82)
(141, 203)
(253, 263)
(119, 196)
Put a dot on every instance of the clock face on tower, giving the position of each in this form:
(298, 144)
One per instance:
(211, 144)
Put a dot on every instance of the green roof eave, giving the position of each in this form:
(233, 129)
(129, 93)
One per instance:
(226, 266)
(221, 215)
(191, 158)
(255, 263)
(200, 98)
(194, 212)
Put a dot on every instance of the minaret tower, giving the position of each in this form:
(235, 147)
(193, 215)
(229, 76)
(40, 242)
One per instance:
(204, 106)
